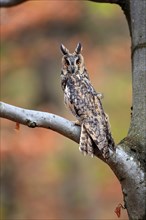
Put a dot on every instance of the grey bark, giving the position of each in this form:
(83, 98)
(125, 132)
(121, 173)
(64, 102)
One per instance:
(35, 119)
(128, 162)
(138, 39)
(135, 142)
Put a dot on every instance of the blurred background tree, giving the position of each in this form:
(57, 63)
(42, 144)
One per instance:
(37, 164)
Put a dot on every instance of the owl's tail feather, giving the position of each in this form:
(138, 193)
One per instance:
(86, 144)
(89, 142)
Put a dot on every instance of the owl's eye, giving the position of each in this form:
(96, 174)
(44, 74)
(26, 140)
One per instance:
(66, 62)
(78, 61)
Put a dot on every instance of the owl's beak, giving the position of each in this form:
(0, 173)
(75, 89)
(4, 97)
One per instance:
(72, 69)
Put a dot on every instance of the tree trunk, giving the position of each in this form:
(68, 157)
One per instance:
(133, 176)
(136, 206)
(131, 167)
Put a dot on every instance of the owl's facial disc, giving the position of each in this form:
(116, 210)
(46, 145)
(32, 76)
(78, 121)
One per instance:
(73, 63)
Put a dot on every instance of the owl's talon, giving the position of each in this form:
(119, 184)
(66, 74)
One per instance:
(77, 123)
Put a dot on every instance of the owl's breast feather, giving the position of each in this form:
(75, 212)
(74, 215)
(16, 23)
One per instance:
(78, 98)
(71, 99)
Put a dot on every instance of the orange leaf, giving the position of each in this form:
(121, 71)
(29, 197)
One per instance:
(118, 209)
(17, 126)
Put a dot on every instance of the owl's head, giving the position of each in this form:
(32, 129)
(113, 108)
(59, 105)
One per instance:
(72, 63)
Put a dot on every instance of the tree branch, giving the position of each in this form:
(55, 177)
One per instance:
(10, 3)
(34, 119)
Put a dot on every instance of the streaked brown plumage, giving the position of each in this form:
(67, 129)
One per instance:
(85, 104)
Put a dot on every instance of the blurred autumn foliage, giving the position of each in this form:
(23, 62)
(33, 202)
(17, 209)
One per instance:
(43, 175)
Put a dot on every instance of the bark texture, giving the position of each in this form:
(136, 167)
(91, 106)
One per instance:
(128, 162)
(134, 145)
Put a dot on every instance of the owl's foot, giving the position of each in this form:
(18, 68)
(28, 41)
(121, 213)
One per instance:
(77, 123)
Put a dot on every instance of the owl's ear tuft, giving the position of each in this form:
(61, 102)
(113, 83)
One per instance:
(78, 48)
(64, 49)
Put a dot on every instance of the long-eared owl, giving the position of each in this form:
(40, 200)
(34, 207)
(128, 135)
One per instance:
(85, 104)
